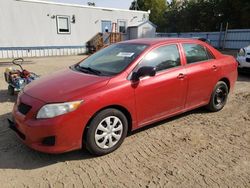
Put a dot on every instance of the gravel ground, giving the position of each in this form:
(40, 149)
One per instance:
(196, 149)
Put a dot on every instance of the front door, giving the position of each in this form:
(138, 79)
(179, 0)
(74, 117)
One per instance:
(164, 93)
(106, 26)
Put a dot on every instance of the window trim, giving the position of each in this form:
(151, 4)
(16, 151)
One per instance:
(203, 61)
(57, 24)
(209, 52)
(126, 26)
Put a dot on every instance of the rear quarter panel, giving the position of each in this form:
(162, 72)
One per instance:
(227, 66)
(228, 69)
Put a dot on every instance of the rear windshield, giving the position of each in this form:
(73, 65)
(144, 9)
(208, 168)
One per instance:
(113, 59)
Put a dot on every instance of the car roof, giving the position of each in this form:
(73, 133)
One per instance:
(154, 41)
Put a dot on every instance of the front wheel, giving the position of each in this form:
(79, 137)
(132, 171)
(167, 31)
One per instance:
(106, 132)
(219, 97)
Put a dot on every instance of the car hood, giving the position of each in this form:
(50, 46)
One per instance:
(247, 48)
(64, 85)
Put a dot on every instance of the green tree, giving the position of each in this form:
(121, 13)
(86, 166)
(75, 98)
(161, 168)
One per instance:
(206, 15)
(157, 8)
(196, 15)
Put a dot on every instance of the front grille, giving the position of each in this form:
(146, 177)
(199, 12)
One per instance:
(248, 60)
(24, 108)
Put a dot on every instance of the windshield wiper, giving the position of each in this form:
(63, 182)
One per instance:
(88, 70)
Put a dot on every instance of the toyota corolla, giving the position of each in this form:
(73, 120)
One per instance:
(95, 103)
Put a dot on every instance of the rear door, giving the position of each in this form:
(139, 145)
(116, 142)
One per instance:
(202, 74)
(164, 93)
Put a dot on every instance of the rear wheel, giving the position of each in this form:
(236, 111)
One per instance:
(106, 132)
(219, 97)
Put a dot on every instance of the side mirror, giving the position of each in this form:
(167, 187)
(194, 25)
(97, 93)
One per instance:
(143, 71)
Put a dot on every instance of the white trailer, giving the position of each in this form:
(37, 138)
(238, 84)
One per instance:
(32, 28)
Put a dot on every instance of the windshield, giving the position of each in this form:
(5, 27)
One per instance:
(111, 60)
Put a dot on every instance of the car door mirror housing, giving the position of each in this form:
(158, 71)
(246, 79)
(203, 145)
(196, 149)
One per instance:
(143, 71)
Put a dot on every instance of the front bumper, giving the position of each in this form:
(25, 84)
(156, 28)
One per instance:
(66, 130)
(243, 62)
(12, 126)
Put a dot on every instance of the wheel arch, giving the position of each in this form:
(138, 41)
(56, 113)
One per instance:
(117, 107)
(226, 80)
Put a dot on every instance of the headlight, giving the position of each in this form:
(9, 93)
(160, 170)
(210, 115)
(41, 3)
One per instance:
(242, 52)
(21, 81)
(53, 110)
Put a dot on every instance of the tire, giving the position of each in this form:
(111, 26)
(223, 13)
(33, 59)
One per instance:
(11, 90)
(219, 97)
(106, 132)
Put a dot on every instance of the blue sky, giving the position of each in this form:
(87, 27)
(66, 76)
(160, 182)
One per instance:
(124, 4)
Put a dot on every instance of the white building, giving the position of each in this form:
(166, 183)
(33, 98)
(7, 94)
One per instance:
(36, 28)
(144, 29)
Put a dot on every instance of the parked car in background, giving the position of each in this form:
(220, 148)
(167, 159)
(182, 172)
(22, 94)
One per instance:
(97, 102)
(243, 58)
(203, 39)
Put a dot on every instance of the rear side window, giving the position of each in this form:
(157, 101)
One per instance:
(162, 58)
(196, 53)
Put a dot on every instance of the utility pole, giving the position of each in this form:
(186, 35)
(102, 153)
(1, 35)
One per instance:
(135, 5)
(221, 29)
(225, 37)
(220, 36)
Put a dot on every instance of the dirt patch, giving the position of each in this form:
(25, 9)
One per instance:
(194, 149)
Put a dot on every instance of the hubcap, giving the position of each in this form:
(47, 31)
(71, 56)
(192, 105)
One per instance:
(108, 132)
(220, 96)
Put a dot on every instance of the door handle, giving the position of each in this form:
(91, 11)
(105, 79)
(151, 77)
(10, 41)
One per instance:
(181, 76)
(214, 67)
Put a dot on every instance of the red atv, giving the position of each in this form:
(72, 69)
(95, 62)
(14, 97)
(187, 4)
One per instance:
(18, 79)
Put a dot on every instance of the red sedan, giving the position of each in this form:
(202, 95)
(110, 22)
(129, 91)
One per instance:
(95, 103)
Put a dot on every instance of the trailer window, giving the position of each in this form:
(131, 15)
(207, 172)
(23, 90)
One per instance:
(122, 26)
(63, 24)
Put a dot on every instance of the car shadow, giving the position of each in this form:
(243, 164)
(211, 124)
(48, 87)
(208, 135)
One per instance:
(244, 76)
(6, 97)
(15, 155)
(200, 110)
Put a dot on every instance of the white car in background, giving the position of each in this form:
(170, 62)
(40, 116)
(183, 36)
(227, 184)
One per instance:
(243, 57)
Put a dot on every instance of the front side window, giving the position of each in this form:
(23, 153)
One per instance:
(196, 53)
(122, 26)
(113, 59)
(63, 24)
(162, 58)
